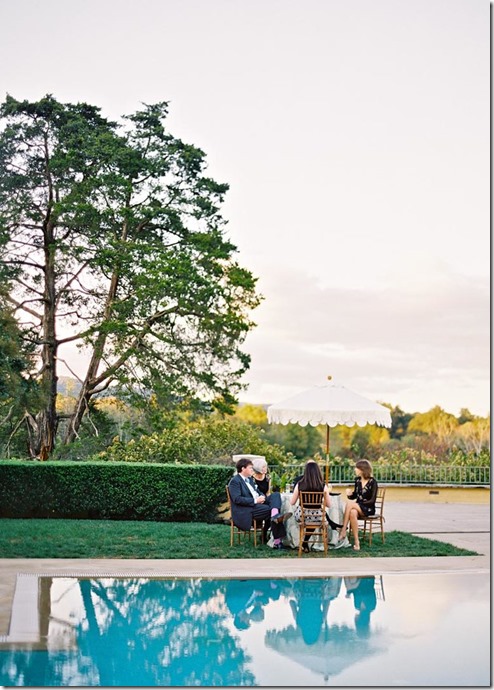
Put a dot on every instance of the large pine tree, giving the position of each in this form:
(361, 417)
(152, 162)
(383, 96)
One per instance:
(111, 237)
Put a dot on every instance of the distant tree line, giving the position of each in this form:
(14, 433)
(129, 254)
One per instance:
(435, 434)
(116, 428)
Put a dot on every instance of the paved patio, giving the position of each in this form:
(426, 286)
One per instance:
(466, 526)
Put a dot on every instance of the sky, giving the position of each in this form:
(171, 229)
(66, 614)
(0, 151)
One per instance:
(355, 137)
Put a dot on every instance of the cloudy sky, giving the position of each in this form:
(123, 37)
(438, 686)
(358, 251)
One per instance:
(355, 139)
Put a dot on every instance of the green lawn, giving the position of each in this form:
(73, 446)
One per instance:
(131, 539)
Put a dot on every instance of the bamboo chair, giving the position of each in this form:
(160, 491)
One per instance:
(375, 522)
(237, 532)
(313, 518)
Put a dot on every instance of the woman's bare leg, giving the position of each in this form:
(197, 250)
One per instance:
(354, 515)
(350, 505)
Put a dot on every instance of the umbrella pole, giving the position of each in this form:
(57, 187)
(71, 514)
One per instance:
(327, 453)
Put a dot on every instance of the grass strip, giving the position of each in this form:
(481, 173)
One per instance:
(135, 539)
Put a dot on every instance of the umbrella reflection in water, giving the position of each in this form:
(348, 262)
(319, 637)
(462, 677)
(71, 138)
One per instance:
(324, 648)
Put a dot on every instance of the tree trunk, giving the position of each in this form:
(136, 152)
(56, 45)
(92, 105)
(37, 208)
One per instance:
(47, 418)
(87, 390)
(42, 433)
(82, 405)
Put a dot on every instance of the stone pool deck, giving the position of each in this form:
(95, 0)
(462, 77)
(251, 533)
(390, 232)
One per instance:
(465, 526)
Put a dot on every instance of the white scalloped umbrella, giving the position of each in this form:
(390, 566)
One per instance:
(332, 405)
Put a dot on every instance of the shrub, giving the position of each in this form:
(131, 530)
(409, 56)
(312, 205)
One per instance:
(98, 490)
(208, 441)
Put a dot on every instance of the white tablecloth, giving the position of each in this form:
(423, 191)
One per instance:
(292, 527)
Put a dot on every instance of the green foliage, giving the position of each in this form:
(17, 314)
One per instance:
(17, 389)
(436, 421)
(435, 436)
(418, 456)
(119, 491)
(361, 443)
(254, 414)
(209, 440)
(15, 356)
(399, 421)
(465, 416)
(123, 229)
(470, 459)
(408, 466)
(415, 467)
(97, 431)
(301, 441)
(279, 480)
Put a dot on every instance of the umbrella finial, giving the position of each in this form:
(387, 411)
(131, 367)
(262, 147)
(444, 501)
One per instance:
(329, 377)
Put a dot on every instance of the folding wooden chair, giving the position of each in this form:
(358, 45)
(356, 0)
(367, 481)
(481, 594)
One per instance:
(312, 518)
(375, 522)
(257, 526)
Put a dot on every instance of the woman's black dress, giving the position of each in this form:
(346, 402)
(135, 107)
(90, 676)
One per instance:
(263, 484)
(365, 497)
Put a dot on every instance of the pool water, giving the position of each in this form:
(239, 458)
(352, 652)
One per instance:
(411, 630)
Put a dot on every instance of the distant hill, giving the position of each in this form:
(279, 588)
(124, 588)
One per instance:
(69, 386)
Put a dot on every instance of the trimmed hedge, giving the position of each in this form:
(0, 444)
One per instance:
(112, 490)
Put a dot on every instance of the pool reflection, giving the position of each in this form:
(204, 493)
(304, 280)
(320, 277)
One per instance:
(135, 632)
(313, 641)
(186, 632)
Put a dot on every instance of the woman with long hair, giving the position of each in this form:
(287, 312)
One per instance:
(311, 481)
(361, 501)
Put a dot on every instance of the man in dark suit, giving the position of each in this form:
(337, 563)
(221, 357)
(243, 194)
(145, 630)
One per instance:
(249, 503)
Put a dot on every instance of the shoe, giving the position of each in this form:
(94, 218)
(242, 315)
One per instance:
(305, 548)
(356, 548)
(279, 547)
(342, 543)
(283, 517)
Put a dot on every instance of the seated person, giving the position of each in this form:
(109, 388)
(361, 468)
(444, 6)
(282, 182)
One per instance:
(334, 525)
(249, 503)
(244, 605)
(310, 605)
(261, 476)
(364, 600)
(361, 501)
(311, 481)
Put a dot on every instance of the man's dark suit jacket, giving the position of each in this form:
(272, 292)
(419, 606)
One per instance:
(242, 501)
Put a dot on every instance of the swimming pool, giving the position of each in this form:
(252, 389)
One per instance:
(396, 629)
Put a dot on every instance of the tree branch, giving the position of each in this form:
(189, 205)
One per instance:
(20, 305)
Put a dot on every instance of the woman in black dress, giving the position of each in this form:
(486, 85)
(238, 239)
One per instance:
(361, 501)
(261, 475)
